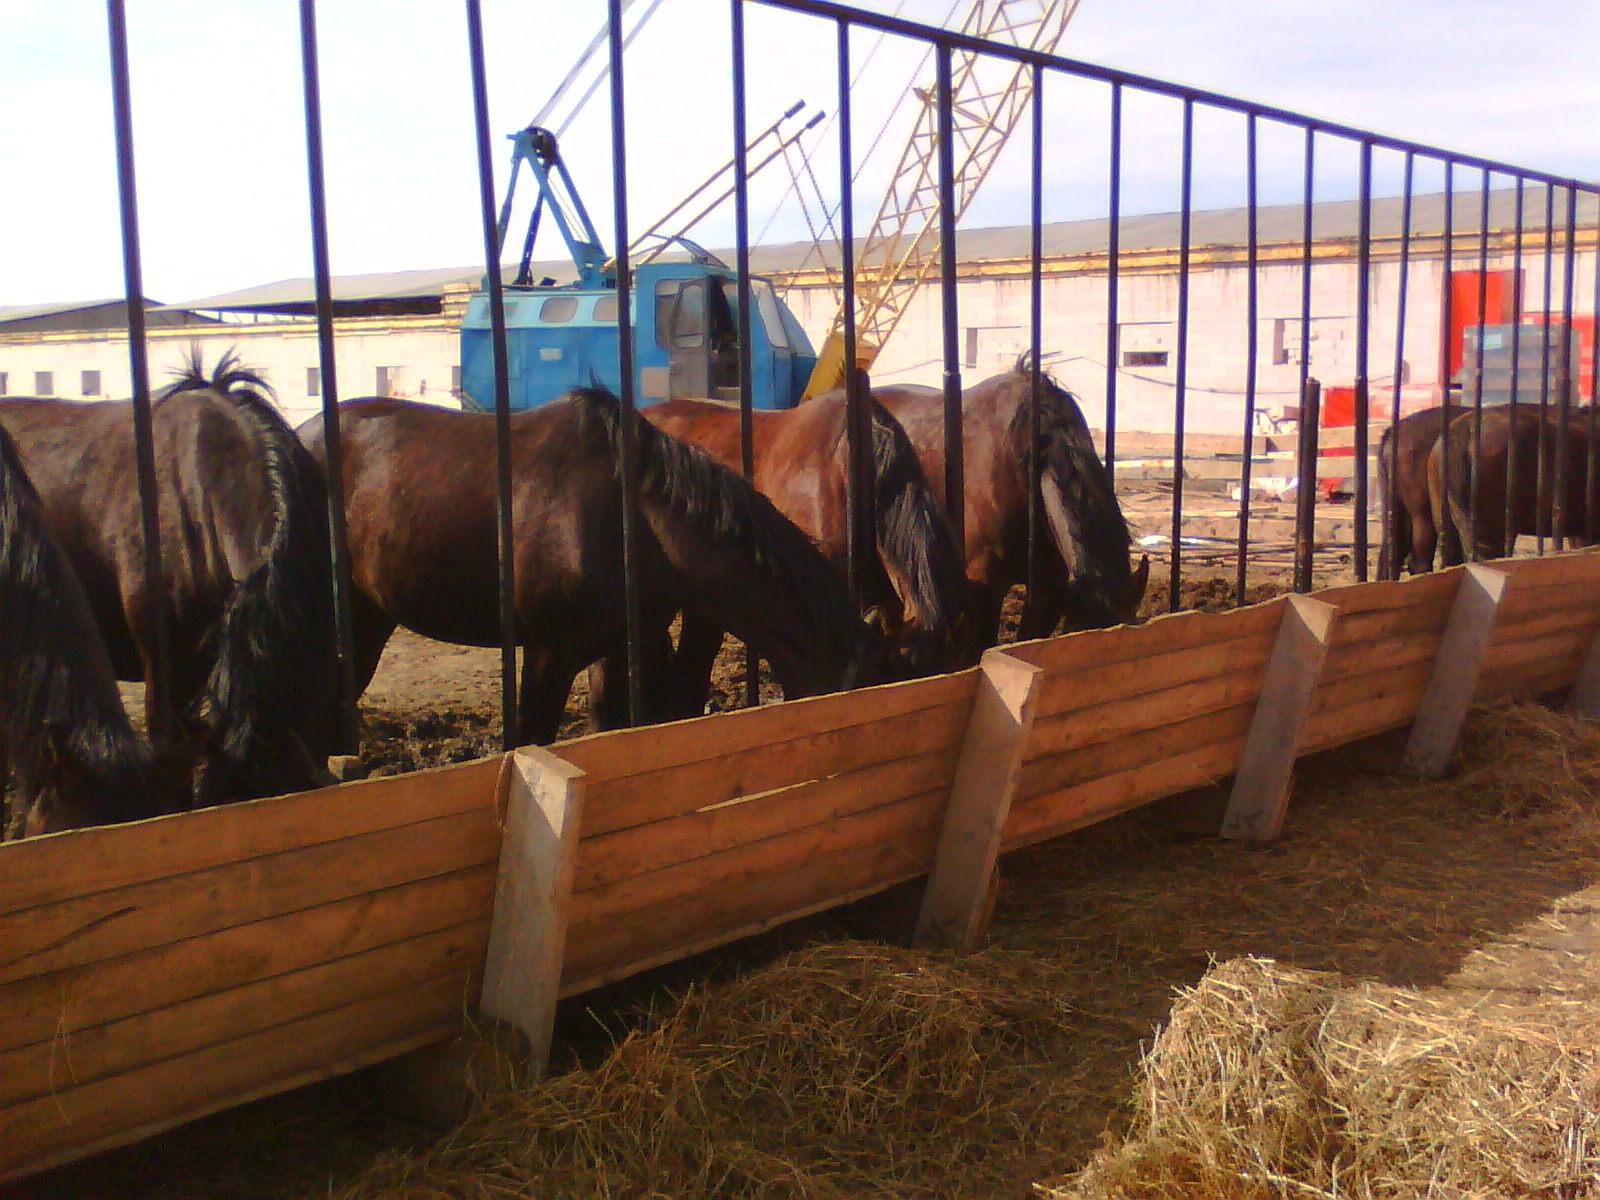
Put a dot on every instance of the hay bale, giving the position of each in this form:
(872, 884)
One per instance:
(1271, 1081)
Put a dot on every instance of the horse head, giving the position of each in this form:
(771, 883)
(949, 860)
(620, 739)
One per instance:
(75, 792)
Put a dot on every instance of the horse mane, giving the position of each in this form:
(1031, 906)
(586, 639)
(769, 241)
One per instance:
(275, 642)
(1093, 534)
(912, 530)
(59, 704)
(727, 507)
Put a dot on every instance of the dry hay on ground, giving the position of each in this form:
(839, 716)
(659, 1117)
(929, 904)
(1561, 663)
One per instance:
(1271, 1081)
(852, 1070)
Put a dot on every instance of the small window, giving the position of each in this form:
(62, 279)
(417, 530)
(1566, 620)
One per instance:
(1144, 358)
(44, 383)
(771, 315)
(91, 383)
(455, 379)
(388, 380)
(313, 381)
(605, 308)
(5, 383)
(970, 359)
(558, 310)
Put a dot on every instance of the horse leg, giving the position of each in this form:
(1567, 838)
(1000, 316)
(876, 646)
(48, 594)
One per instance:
(699, 643)
(608, 687)
(546, 683)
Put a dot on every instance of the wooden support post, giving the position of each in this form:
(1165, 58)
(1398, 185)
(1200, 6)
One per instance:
(509, 1046)
(1260, 793)
(528, 931)
(958, 901)
(1584, 699)
(1455, 671)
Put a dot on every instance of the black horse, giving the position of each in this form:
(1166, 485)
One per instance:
(62, 725)
(245, 560)
(420, 507)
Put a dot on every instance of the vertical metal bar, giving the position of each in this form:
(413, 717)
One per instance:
(1541, 524)
(1036, 325)
(1113, 255)
(1306, 494)
(1510, 545)
(509, 723)
(1558, 519)
(954, 463)
(1306, 497)
(1252, 306)
(1181, 373)
(159, 716)
(1391, 532)
(853, 399)
(1363, 367)
(339, 543)
(1591, 526)
(1477, 367)
(630, 415)
(1446, 331)
(741, 221)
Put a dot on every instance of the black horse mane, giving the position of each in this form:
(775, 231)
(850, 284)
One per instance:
(911, 527)
(274, 643)
(59, 705)
(728, 507)
(1098, 536)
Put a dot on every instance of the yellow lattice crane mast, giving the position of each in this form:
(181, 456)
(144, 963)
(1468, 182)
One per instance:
(902, 247)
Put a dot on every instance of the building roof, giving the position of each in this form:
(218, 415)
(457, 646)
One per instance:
(28, 312)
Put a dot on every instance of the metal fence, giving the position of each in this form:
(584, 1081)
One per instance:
(1471, 187)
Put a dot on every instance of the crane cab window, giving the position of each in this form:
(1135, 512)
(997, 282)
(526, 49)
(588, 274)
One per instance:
(680, 314)
(558, 310)
(605, 309)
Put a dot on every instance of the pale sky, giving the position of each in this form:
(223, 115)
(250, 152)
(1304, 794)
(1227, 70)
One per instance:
(221, 151)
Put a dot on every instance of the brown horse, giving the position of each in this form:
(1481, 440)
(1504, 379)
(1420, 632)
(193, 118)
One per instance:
(801, 465)
(420, 503)
(1086, 575)
(1411, 535)
(1527, 438)
(62, 724)
(244, 555)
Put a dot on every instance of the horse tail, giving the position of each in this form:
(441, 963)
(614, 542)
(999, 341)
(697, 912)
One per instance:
(59, 705)
(269, 695)
(1080, 504)
(914, 539)
(724, 506)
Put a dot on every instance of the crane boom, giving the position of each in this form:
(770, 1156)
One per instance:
(902, 246)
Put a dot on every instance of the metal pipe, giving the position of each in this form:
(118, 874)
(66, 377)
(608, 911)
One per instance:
(1181, 372)
(1363, 337)
(630, 414)
(1564, 395)
(1477, 369)
(1036, 342)
(1447, 330)
(1541, 478)
(1113, 254)
(1252, 304)
(1305, 497)
(954, 463)
(1510, 529)
(349, 739)
(159, 715)
(741, 223)
(853, 399)
(509, 718)
(1391, 531)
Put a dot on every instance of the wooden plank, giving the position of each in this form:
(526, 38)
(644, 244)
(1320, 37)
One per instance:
(1455, 676)
(1112, 758)
(1419, 590)
(1577, 566)
(1051, 814)
(1579, 595)
(73, 1118)
(748, 903)
(1585, 698)
(43, 1007)
(1260, 793)
(528, 934)
(1063, 692)
(624, 752)
(955, 905)
(1353, 661)
(38, 871)
(652, 895)
(83, 1056)
(108, 924)
(611, 857)
(639, 799)
(1172, 631)
(1138, 715)
(1543, 665)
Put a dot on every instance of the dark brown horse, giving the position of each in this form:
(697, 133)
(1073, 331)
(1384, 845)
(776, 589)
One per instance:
(1086, 575)
(420, 500)
(1411, 536)
(801, 464)
(244, 555)
(62, 724)
(1527, 438)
